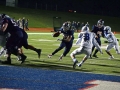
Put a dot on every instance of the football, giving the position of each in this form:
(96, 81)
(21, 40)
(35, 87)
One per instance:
(56, 34)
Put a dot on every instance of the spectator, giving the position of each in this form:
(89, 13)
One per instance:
(26, 24)
(87, 24)
(78, 26)
(19, 23)
(82, 24)
(23, 23)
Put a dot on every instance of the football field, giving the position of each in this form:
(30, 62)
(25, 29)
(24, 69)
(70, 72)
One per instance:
(51, 74)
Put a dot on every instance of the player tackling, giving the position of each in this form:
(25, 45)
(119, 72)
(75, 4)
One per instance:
(86, 40)
(112, 41)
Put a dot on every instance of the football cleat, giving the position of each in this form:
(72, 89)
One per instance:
(5, 62)
(8, 61)
(19, 58)
(49, 56)
(95, 56)
(23, 57)
(74, 64)
(111, 57)
(60, 58)
(39, 52)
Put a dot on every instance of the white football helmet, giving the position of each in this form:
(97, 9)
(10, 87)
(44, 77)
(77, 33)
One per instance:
(84, 28)
(107, 28)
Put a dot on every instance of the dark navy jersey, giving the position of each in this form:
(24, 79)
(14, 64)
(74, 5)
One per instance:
(12, 27)
(68, 33)
(95, 29)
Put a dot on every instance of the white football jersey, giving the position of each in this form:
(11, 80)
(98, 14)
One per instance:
(111, 37)
(87, 40)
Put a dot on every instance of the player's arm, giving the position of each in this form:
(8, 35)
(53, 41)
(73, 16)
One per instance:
(78, 41)
(79, 38)
(4, 27)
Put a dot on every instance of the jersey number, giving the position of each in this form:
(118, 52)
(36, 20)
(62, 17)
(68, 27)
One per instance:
(86, 36)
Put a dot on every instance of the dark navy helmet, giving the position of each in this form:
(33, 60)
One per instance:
(100, 22)
(66, 26)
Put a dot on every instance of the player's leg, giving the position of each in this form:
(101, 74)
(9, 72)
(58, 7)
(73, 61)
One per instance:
(108, 48)
(62, 45)
(8, 61)
(2, 44)
(96, 50)
(117, 49)
(68, 46)
(35, 49)
(92, 51)
(73, 54)
(87, 52)
(27, 46)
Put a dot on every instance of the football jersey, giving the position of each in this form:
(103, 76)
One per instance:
(95, 29)
(12, 27)
(87, 39)
(110, 37)
(68, 33)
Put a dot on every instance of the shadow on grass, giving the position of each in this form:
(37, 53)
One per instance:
(62, 66)
(105, 65)
(49, 65)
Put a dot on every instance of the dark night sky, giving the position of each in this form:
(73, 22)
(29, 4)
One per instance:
(105, 7)
(102, 7)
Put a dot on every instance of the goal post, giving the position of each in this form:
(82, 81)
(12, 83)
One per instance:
(56, 23)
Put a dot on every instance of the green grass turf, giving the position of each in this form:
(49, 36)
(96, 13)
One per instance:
(48, 44)
(44, 18)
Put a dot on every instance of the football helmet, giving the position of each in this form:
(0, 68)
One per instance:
(66, 26)
(107, 29)
(2, 16)
(100, 23)
(84, 28)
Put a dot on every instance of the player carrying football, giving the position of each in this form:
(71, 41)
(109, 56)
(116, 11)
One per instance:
(66, 42)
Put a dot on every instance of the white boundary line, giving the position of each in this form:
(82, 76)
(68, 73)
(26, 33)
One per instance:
(53, 32)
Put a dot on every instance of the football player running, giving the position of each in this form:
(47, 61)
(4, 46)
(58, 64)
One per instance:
(96, 29)
(112, 41)
(86, 39)
(66, 42)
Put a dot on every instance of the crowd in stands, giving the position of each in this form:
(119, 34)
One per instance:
(22, 23)
(76, 26)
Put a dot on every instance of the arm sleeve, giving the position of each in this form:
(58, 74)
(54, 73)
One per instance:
(78, 41)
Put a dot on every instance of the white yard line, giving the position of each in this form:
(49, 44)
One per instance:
(53, 32)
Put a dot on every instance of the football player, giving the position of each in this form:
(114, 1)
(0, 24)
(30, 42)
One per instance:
(96, 29)
(112, 41)
(86, 40)
(66, 42)
(24, 43)
(16, 35)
